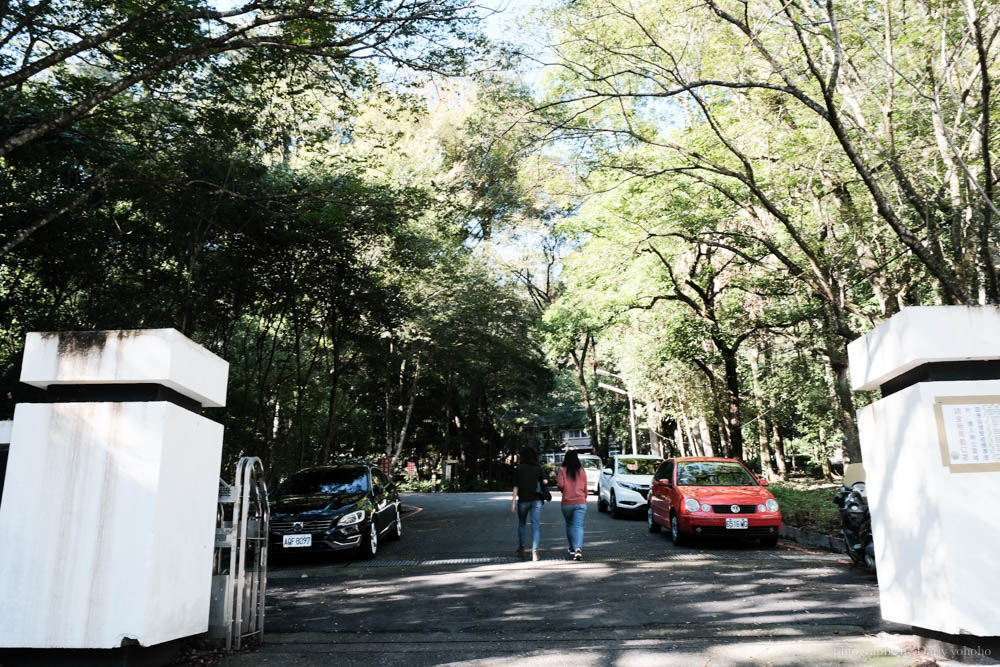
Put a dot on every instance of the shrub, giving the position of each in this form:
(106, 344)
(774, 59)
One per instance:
(808, 505)
(414, 485)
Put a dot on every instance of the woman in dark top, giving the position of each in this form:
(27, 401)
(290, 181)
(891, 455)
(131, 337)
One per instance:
(525, 500)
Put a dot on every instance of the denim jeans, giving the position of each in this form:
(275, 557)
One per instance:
(535, 507)
(574, 524)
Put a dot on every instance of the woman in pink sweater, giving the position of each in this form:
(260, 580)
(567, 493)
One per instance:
(572, 482)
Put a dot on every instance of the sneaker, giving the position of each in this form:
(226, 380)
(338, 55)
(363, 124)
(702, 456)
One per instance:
(520, 548)
(535, 556)
(577, 555)
(570, 552)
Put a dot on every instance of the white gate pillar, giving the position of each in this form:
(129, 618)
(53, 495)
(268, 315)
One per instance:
(108, 515)
(931, 450)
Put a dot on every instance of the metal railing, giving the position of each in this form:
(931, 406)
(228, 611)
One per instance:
(239, 580)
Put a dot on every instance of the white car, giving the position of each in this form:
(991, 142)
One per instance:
(624, 485)
(592, 466)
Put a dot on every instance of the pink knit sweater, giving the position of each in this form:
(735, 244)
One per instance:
(574, 491)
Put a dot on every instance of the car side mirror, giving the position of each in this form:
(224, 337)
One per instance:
(763, 482)
(607, 471)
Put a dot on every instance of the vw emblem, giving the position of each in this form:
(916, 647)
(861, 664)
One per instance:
(297, 526)
(735, 509)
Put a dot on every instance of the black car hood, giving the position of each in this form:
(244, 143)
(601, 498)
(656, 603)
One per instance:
(316, 504)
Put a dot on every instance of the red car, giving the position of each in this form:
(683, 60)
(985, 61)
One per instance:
(712, 496)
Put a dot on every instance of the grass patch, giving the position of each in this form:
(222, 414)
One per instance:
(808, 505)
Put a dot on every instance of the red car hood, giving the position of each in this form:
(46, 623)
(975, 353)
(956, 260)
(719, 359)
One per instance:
(725, 495)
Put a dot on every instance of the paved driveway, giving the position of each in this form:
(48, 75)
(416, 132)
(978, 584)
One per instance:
(453, 591)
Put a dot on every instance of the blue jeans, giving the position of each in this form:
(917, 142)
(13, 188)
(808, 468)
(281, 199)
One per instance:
(574, 524)
(535, 507)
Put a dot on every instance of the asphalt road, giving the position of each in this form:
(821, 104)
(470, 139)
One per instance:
(453, 591)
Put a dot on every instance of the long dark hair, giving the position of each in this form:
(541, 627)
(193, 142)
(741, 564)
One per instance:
(529, 456)
(572, 464)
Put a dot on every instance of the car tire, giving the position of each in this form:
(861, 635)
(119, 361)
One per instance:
(653, 526)
(769, 541)
(613, 507)
(679, 538)
(397, 528)
(369, 543)
(601, 505)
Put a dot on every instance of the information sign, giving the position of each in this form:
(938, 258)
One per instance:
(969, 432)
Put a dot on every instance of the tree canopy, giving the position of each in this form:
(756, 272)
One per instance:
(408, 248)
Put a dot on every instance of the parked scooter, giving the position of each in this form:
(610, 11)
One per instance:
(856, 521)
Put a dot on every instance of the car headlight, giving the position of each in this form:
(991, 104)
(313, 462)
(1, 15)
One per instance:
(629, 485)
(352, 518)
(771, 505)
(691, 505)
(761, 508)
(705, 507)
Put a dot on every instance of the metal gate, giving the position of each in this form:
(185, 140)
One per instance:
(239, 576)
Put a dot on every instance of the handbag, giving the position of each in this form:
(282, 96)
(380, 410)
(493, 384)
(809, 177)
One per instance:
(543, 491)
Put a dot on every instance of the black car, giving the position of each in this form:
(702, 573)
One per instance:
(350, 506)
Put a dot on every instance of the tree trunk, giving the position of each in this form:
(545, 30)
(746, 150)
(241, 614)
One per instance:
(734, 421)
(692, 441)
(779, 443)
(579, 360)
(652, 423)
(707, 448)
(679, 438)
(824, 456)
(473, 436)
(404, 429)
(837, 356)
(494, 441)
(763, 442)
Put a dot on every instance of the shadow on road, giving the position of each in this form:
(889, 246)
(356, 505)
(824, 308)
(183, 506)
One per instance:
(453, 592)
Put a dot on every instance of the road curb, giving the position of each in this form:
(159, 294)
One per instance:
(813, 539)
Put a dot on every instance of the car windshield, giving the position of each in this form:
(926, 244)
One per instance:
(325, 482)
(591, 464)
(713, 473)
(637, 466)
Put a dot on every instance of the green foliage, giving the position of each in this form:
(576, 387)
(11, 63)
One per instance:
(413, 485)
(92, 60)
(808, 506)
(405, 267)
(736, 203)
(355, 317)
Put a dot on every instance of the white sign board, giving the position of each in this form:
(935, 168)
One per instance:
(969, 432)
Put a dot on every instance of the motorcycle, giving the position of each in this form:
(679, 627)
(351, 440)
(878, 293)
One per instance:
(856, 523)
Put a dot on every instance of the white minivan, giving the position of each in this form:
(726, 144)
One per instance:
(625, 483)
(592, 466)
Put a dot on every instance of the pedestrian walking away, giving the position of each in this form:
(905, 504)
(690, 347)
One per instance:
(572, 481)
(526, 500)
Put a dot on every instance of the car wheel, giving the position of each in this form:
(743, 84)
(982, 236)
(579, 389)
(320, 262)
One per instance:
(601, 505)
(678, 538)
(613, 507)
(653, 526)
(397, 530)
(769, 541)
(369, 545)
